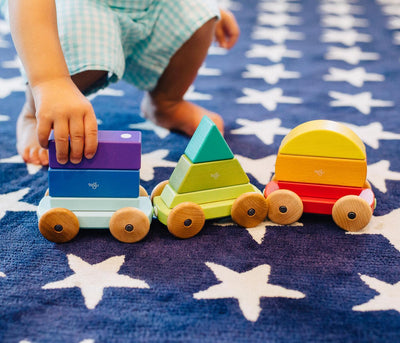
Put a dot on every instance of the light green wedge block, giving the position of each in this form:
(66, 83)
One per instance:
(207, 144)
(172, 198)
(192, 177)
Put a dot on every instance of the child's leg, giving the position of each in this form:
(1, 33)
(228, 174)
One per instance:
(165, 105)
(27, 141)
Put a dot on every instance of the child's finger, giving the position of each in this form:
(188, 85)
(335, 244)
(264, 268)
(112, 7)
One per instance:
(76, 132)
(43, 131)
(61, 141)
(90, 124)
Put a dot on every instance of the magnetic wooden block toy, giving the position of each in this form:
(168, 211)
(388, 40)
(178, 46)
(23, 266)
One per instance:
(321, 167)
(116, 150)
(209, 184)
(207, 144)
(190, 177)
(104, 192)
(94, 183)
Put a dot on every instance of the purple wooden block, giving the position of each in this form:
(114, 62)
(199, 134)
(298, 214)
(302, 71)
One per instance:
(116, 150)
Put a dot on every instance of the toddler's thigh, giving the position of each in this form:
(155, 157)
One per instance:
(90, 37)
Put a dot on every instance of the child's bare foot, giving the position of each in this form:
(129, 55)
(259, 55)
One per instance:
(182, 115)
(27, 142)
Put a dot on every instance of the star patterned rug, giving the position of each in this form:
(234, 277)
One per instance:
(296, 60)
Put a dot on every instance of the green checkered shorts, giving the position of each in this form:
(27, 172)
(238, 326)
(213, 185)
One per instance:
(133, 40)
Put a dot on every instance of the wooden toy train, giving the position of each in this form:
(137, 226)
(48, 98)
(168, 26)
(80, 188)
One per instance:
(320, 168)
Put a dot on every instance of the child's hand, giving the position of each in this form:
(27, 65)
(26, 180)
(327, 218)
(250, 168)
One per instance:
(62, 107)
(227, 30)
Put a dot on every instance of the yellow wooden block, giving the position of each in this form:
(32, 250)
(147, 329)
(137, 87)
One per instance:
(192, 177)
(211, 210)
(323, 138)
(172, 198)
(322, 170)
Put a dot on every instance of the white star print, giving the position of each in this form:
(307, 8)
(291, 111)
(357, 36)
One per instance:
(276, 35)
(150, 126)
(393, 23)
(12, 202)
(92, 279)
(230, 5)
(396, 38)
(372, 133)
(347, 37)
(107, 92)
(344, 22)
(387, 299)
(269, 99)
(265, 130)
(379, 172)
(350, 55)
(392, 10)
(261, 169)
(14, 64)
(192, 95)
(4, 27)
(361, 101)
(17, 159)
(217, 50)
(7, 86)
(3, 117)
(205, 71)
(274, 53)
(247, 287)
(4, 43)
(271, 74)
(153, 160)
(387, 226)
(278, 19)
(2, 274)
(340, 9)
(355, 77)
(258, 232)
(279, 7)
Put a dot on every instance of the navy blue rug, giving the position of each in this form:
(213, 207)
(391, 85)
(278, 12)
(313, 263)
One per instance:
(311, 281)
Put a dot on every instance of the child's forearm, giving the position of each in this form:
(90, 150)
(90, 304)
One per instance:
(35, 35)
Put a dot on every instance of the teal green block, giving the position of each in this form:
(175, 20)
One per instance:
(207, 144)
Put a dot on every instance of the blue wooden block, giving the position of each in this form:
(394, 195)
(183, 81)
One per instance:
(116, 150)
(94, 183)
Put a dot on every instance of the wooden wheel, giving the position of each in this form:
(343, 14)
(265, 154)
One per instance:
(284, 207)
(59, 225)
(186, 220)
(249, 209)
(143, 192)
(158, 189)
(129, 225)
(351, 213)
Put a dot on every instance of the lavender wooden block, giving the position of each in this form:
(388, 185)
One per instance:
(116, 150)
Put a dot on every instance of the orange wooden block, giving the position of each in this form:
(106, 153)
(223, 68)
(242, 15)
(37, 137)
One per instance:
(322, 170)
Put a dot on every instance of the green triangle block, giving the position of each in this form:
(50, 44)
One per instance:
(207, 144)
